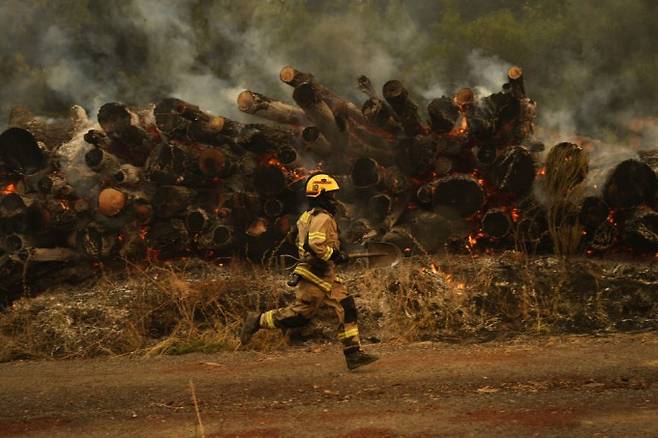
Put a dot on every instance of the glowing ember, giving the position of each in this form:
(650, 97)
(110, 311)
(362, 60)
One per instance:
(11, 188)
(611, 217)
(143, 232)
(541, 171)
(516, 215)
(64, 205)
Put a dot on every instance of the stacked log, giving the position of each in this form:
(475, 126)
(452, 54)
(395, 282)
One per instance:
(170, 179)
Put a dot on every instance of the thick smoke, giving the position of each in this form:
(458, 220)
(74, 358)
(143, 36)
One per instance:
(586, 78)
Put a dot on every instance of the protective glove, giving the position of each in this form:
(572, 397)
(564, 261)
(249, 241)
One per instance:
(339, 257)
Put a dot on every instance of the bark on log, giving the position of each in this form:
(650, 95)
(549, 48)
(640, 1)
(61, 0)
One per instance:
(398, 97)
(513, 171)
(379, 114)
(641, 230)
(259, 138)
(336, 104)
(308, 98)
(280, 112)
(170, 238)
(187, 122)
(630, 184)
(315, 142)
(122, 125)
(101, 161)
(56, 186)
(443, 115)
(415, 156)
(514, 84)
(366, 174)
(20, 152)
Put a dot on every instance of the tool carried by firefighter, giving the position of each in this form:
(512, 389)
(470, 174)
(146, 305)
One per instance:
(319, 251)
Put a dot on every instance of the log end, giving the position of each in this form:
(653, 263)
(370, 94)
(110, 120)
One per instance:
(514, 73)
(245, 101)
(111, 202)
(287, 74)
(393, 89)
(464, 97)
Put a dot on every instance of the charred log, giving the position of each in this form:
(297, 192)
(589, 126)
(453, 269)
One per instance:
(101, 161)
(630, 184)
(497, 223)
(379, 114)
(123, 126)
(366, 174)
(443, 115)
(513, 171)
(641, 230)
(259, 138)
(463, 193)
(407, 111)
(20, 152)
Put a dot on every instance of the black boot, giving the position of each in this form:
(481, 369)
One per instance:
(251, 326)
(358, 358)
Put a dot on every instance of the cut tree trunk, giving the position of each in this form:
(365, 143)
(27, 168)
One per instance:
(460, 192)
(407, 111)
(513, 172)
(280, 112)
(497, 223)
(630, 184)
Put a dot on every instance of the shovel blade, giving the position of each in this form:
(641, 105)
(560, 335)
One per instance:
(383, 254)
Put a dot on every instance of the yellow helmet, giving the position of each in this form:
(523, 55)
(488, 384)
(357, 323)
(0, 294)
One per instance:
(319, 183)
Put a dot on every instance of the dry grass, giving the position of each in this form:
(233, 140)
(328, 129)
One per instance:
(566, 168)
(199, 307)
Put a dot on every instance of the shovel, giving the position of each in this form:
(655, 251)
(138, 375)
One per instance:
(379, 255)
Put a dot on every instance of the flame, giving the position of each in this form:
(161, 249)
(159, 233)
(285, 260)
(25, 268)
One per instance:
(143, 232)
(541, 171)
(473, 239)
(10, 188)
(64, 205)
(516, 215)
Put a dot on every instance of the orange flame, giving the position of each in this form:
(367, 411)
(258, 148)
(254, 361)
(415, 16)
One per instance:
(10, 188)
(541, 171)
(143, 232)
(516, 215)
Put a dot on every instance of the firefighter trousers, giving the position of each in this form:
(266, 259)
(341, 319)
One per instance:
(308, 299)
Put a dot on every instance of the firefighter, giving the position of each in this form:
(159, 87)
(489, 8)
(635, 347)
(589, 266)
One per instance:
(319, 251)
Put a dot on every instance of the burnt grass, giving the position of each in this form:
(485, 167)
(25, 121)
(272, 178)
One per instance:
(196, 306)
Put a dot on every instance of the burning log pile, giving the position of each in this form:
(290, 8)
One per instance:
(171, 180)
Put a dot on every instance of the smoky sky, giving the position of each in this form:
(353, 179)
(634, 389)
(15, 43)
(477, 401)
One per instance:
(591, 65)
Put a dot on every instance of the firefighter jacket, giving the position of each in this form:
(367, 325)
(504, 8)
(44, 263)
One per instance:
(317, 239)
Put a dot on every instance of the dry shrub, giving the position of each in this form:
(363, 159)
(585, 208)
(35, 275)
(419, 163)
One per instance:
(566, 168)
(161, 309)
(198, 306)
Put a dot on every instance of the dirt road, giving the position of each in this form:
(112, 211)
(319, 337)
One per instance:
(568, 386)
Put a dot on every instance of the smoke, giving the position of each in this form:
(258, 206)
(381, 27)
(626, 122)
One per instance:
(206, 52)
